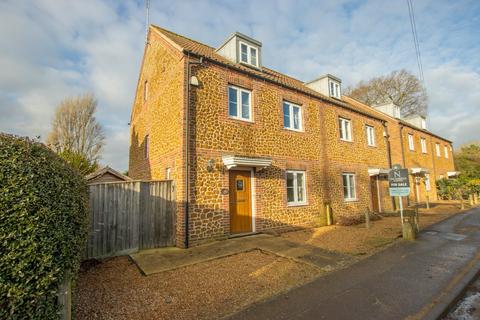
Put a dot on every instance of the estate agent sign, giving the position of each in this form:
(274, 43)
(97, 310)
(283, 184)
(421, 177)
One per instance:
(398, 182)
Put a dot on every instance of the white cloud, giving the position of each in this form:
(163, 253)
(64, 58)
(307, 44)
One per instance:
(52, 49)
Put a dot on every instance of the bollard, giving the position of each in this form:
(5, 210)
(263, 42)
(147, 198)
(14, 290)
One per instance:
(427, 202)
(328, 211)
(416, 220)
(470, 199)
(367, 218)
(475, 198)
(408, 229)
(64, 298)
(462, 204)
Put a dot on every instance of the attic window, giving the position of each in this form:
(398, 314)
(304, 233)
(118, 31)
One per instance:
(248, 54)
(334, 89)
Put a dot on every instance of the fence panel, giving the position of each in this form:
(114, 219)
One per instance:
(128, 216)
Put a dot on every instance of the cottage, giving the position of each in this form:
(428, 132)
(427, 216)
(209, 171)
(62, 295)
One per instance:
(251, 149)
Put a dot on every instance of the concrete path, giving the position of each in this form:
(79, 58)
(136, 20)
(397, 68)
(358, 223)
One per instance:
(416, 280)
(164, 259)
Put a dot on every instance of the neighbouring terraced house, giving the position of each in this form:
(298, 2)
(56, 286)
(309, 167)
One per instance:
(251, 149)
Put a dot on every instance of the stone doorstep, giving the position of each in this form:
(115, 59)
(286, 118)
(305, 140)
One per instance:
(153, 261)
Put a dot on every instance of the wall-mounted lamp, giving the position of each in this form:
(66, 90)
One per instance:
(210, 165)
(194, 81)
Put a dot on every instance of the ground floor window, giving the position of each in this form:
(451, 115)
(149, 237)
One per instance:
(296, 194)
(349, 193)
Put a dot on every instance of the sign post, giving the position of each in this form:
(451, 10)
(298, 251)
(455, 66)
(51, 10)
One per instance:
(399, 185)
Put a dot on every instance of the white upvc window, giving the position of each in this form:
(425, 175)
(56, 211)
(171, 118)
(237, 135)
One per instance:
(239, 103)
(445, 149)
(437, 150)
(411, 144)
(167, 173)
(296, 190)
(248, 54)
(370, 131)
(396, 111)
(345, 126)
(423, 143)
(146, 146)
(292, 116)
(349, 192)
(334, 89)
(427, 182)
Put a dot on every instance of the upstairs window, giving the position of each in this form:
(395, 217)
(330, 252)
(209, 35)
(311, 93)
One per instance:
(396, 111)
(345, 126)
(239, 103)
(411, 144)
(296, 192)
(292, 116)
(334, 89)
(423, 142)
(349, 193)
(437, 149)
(445, 149)
(248, 54)
(370, 131)
(167, 173)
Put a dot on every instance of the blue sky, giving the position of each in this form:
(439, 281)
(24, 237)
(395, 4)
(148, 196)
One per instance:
(53, 49)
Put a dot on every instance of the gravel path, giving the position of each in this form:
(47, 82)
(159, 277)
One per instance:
(115, 289)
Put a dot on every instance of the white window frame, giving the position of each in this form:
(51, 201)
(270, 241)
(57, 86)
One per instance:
(238, 116)
(396, 111)
(427, 182)
(334, 89)
(345, 128)
(249, 53)
(295, 188)
(291, 106)
(437, 149)
(423, 143)
(147, 147)
(445, 151)
(349, 196)
(411, 143)
(167, 173)
(370, 132)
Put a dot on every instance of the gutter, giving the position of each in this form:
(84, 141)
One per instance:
(389, 156)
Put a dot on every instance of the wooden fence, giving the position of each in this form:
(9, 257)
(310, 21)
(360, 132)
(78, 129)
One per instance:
(128, 216)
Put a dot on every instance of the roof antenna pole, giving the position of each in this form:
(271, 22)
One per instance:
(147, 19)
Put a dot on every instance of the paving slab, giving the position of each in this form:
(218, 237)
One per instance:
(163, 259)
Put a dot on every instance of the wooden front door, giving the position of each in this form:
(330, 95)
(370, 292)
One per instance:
(240, 202)
(374, 191)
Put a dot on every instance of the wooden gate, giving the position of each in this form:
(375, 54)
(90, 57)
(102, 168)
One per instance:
(128, 216)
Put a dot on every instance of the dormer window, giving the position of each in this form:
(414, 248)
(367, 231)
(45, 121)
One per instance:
(396, 112)
(248, 54)
(334, 89)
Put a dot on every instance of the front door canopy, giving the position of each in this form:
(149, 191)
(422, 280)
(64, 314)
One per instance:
(378, 172)
(231, 161)
(418, 171)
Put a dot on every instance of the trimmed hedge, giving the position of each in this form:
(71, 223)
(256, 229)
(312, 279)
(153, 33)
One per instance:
(43, 227)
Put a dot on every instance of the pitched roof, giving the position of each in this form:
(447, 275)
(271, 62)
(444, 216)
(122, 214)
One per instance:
(194, 47)
(384, 116)
(104, 170)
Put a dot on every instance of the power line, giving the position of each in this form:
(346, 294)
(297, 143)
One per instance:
(147, 19)
(415, 40)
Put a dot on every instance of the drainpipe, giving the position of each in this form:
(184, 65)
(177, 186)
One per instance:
(389, 157)
(187, 147)
(403, 155)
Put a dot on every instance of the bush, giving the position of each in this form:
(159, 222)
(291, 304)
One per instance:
(43, 223)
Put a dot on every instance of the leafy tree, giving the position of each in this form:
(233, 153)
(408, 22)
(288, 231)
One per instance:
(467, 160)
(79, 162)
(75, 128)
(400, 87)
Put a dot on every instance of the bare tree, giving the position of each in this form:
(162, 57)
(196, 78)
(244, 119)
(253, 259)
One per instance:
(400, 87)
(75, 129)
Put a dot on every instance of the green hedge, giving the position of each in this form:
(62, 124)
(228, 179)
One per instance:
(43, 227)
